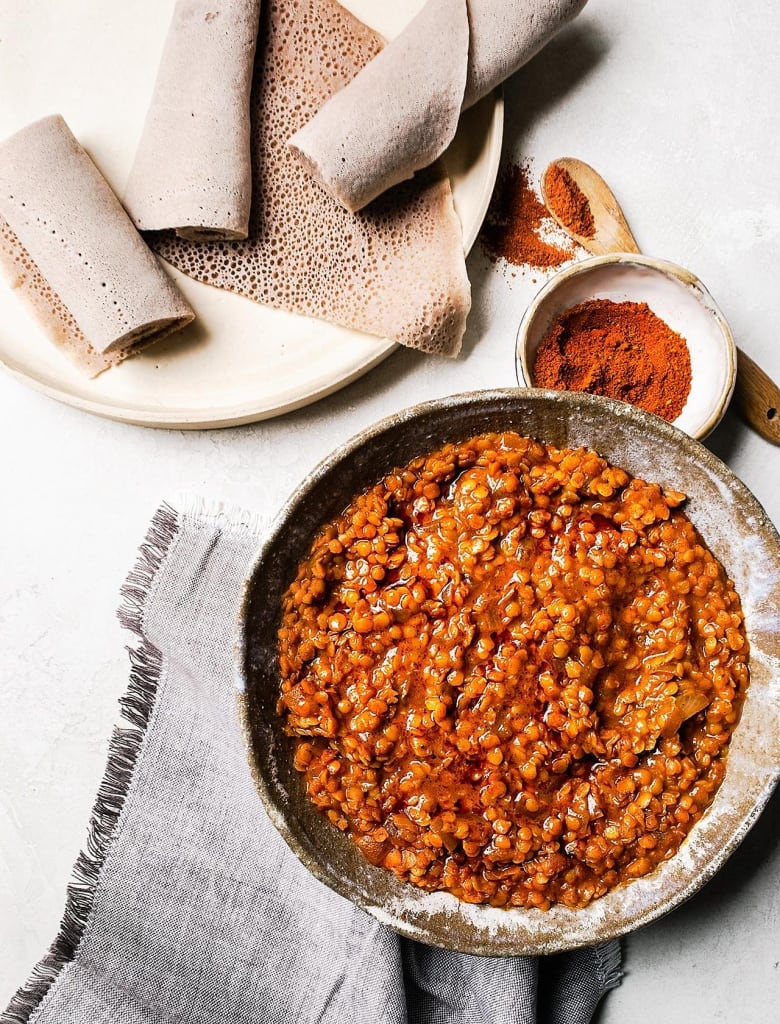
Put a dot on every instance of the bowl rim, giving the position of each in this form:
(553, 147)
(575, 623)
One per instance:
(608, 928)
(668, 268)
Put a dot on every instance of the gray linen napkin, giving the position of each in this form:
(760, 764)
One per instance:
(187, 906)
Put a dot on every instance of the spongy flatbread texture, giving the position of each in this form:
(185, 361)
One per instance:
(192, 169)
(396, 270)
(448, 57)
(69, 248)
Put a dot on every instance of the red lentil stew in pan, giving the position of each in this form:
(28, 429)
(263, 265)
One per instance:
(513, 671)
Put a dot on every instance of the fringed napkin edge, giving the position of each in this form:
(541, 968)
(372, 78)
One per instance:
(124, 749)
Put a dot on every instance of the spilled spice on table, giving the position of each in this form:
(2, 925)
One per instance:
(517, 222)
(568, 202)
(617, 349)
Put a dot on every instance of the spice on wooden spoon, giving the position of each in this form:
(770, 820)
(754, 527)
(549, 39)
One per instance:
(756, 396)
(570, 203)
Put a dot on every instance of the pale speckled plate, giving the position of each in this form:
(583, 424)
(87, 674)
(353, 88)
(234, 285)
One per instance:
(239, 361)
(736, 529)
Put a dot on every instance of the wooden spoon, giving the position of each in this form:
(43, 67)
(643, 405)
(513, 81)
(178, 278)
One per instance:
(756, 396)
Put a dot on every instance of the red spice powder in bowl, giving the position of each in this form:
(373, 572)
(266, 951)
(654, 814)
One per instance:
(617, 349)
(637, 329)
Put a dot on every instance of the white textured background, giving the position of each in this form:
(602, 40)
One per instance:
(676, 103)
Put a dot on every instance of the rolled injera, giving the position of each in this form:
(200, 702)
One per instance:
(396, 270)
(68, 246)
(401, 112)
(192, 170)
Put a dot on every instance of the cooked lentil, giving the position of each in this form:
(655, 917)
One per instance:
(514, 671)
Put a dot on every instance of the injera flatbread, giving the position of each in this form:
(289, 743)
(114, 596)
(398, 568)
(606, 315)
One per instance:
(420, 107)
(192, 169)
(396, 270)
(402, 110)
(69, 248)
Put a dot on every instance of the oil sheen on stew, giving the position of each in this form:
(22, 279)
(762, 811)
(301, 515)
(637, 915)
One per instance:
(513, 671)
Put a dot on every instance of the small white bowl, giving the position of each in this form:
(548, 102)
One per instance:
(675, 295)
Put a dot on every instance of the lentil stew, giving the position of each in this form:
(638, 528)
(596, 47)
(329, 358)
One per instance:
(513, 671)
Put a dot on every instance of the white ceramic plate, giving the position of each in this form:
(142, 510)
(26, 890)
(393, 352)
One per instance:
(96, 64)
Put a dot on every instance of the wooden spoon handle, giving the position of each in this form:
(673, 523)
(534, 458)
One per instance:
(757, 398)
